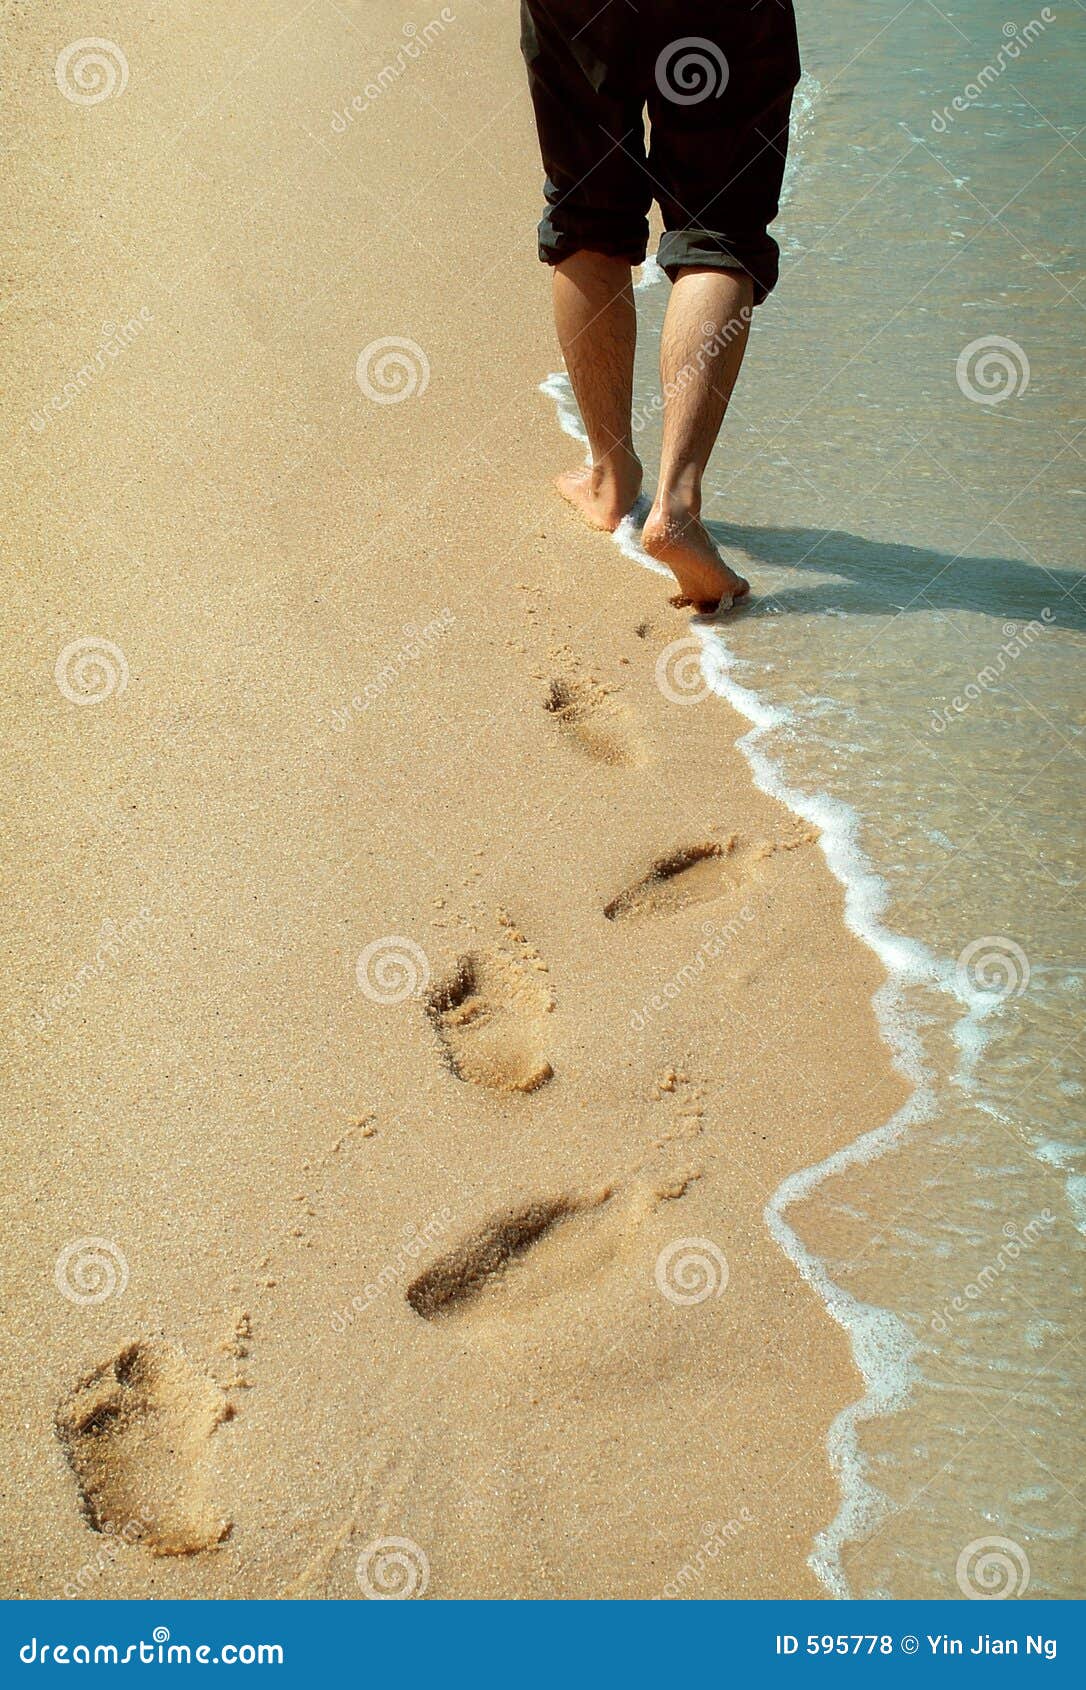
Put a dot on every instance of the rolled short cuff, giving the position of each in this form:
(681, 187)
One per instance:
(573, 225)
(757, 254)
(561, 235)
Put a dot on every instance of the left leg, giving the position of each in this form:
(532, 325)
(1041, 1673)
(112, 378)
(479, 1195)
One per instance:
(701, 348)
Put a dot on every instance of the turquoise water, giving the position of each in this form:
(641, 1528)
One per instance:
(902, 477)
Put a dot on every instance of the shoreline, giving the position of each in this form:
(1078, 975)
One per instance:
(269, 1139)
(882, 1347)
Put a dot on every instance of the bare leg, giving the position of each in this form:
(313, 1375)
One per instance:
(597, 326)
(701, 349)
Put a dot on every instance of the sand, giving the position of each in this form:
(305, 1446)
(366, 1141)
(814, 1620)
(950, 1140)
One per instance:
(414, 1006)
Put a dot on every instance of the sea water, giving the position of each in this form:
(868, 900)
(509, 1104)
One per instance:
(901, 476)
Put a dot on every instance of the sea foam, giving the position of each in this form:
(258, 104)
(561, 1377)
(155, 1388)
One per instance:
(883, 1346)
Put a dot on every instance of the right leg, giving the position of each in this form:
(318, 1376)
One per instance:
(718, 106)
(701, 348)
(588, 98)
(597, 327)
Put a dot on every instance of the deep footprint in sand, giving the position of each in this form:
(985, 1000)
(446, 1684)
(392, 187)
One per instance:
(523, 1256)
(596, 722)
(694, 874)
(516, 1259)
(491, 1016)
(136, 1432)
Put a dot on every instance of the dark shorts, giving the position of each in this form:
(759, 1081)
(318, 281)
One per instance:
(716, 77)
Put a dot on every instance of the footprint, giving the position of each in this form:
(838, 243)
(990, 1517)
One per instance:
(524, 1256)
(515, 1259)
(491, 1016)
(596, 722)
(135, 1432)
(695, 874)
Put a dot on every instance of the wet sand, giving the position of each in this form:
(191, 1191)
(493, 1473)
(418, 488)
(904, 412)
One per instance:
(460, 1244)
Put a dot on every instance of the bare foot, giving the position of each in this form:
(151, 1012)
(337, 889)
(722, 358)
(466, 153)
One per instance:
(605, 493)
(705, 581)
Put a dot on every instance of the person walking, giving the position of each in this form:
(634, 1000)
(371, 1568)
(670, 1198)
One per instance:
(716, 79)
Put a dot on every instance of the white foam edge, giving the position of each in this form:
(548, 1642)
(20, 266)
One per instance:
(882, 1345)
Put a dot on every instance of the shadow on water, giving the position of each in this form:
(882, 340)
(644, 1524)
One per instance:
(877, 577)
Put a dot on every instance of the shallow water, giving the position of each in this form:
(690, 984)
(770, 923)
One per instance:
(909, 513)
